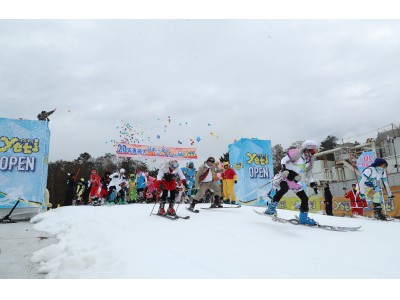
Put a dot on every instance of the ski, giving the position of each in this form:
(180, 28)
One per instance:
(274, 218)
(193, 210)
(233, 206)
(321, 226)
(176, 217)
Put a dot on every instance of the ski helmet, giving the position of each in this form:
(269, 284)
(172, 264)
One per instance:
(310, 145)
(173, 164)
(191, 164)
(378, 162)
(122, 170)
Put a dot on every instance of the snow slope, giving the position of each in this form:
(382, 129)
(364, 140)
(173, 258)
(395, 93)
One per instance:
(126, 242)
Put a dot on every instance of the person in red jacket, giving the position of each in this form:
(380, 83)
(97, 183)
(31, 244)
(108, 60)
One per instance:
(229, 178)
(94, 186)
(166, 183)
(356, 203)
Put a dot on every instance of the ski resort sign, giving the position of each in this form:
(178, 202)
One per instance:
(252, 161)
(24, 148)
(132, 150)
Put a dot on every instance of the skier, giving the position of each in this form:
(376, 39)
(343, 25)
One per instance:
(95, 187)
(369, 183)
(296, 163)
(357, 205)
(229, 179)
(189, 172)
(43, 116)
(141, 184)
(205, 180)
(132, 189)
(80, 191)
(166, 182)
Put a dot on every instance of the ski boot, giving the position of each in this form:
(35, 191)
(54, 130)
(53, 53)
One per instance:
(161, 210)
(271, 210)
(233, 202)
(216, 203)
(378, 212)
(192, 205)
(226, 201)
(171, 211)
(304, 219)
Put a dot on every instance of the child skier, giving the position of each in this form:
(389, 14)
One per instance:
(369, 183)
(297, 162)
(166, 182)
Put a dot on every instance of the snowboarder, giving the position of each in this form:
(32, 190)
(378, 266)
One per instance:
(229, 179)
(205, 180)
(369, 184)
(166, 182)
(296, 163)
(44, 116)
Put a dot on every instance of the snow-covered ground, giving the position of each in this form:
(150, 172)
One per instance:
(126, 242)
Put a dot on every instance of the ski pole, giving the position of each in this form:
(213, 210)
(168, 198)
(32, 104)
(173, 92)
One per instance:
(155, 202)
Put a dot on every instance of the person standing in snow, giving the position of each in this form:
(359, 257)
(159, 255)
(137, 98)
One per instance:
(189, 172)
(166, 182)
(229, 179)
(95, 187)
(369, 185)
(205, 180)
(328, 199)
(70, 190)
(80, 191)
(296, 163)
(141, 184)
(356, 203)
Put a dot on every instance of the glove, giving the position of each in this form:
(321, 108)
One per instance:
(235, 181)
(362, 196)
(314, 186)
(315, 190)
(185, 185)
(162, 187)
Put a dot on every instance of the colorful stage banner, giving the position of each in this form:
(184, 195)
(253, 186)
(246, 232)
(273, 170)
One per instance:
(365, 160)
(132, 150)
(24, 150)
(252, 161)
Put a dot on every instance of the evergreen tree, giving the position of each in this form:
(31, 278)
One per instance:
(277, 154)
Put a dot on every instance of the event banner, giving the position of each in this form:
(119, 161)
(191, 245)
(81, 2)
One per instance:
(365, 160)
(252, 161)
(24, 149)
(131, 150)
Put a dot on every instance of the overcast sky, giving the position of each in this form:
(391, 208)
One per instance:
(219, 80)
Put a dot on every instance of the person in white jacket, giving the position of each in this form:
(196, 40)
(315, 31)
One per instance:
(370, 183)
(296, 164)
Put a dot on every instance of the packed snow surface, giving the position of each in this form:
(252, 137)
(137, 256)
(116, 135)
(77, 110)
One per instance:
(124, 241)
